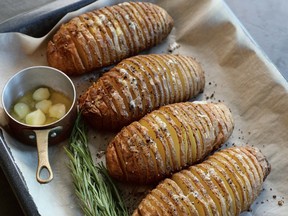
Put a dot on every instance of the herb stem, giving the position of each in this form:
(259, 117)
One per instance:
(96, 191)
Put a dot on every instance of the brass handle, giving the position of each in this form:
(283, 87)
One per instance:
(3, 120)
(43, 160)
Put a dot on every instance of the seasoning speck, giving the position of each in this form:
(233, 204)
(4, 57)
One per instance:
(99, 154)
(280, 202)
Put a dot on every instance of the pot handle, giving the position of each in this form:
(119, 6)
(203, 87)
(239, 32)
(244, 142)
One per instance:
(3, 120)
(43, 160)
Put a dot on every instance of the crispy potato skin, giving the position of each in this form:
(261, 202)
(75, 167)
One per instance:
(227, 183)
(139, 85)
(107, 35)
(168, 140)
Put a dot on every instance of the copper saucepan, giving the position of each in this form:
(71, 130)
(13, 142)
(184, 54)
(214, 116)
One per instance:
(44, 135)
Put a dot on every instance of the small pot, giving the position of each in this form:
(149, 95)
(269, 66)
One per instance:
(44, 135)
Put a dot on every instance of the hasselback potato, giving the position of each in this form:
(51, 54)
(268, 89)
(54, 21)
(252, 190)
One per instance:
(138, 85)
(227, 183)
(166, 140)
(107, 35)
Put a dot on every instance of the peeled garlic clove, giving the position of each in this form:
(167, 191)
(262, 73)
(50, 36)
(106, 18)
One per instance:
(57, 110)
(36, 117)
(44, 105)
(21, 109)
(41, 94)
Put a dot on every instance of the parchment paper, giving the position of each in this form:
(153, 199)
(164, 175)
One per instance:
(237, 71)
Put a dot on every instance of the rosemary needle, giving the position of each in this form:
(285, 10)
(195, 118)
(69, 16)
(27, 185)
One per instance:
(94, 188)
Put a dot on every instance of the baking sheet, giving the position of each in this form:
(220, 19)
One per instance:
(37, 21)
(237, 71)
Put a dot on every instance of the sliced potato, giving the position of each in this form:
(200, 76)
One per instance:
(139, 85)
(105, 36)
(167, 140)
(212, 187)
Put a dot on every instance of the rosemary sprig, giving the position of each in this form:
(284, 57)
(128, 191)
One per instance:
(94, 188)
